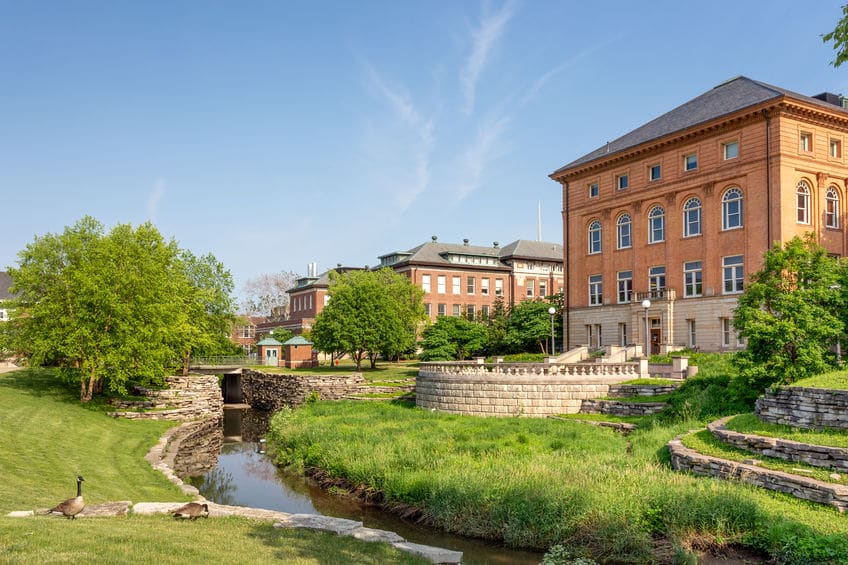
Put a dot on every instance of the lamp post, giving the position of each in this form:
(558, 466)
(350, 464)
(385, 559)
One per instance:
(647, 304)
(552, 311)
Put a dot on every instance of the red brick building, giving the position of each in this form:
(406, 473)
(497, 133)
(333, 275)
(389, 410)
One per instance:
(680, 211)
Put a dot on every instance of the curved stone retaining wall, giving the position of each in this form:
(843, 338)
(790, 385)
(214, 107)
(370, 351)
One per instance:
(809, 408)
(685, 459)
(266, 391)
(816, 455)
(192, 397)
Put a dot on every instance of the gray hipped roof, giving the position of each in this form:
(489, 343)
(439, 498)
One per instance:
(5, 284)
(726, 98)
(436, 253)
(528, 249)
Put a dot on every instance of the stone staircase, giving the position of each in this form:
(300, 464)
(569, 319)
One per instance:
(796, 483)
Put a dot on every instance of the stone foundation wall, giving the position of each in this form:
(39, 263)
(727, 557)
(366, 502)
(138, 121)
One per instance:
(193, 397)
(808, 408)
(265, 391)
(197, 446)
(685, 459)
(508, 395)
(816, 455)
(641, 390)
(616, 408)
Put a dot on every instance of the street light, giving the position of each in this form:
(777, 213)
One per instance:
(647, 304)
(552, 311)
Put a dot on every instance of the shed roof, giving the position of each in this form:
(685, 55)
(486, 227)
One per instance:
(297, 340)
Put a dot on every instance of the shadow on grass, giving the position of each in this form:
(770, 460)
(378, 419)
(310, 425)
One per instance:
(40, 383)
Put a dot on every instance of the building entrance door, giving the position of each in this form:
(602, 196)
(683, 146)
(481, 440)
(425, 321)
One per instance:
(271, 357)
(656, 339)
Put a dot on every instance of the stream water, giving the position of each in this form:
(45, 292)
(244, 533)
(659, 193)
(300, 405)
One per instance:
(246, 477)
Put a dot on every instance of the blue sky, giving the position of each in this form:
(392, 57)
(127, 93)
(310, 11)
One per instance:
(275, 134)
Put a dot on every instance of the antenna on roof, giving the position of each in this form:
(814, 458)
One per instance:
(465, 241)
(434, 238)
(539, 223)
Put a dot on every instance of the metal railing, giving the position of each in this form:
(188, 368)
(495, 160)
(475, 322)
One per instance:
(224, 361)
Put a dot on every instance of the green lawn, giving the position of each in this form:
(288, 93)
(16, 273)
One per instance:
(47, 438)
(750, 424)
(537, 482)
(834, 380)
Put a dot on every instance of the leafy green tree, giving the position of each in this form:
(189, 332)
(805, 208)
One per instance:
(839, 37)
(106, 308)
(789, 315)
(453, 338)
(529, 327)
(369, 313)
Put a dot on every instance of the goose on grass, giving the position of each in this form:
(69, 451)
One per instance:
(73, 506)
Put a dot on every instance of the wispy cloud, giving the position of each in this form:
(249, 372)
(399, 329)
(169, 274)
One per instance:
(153, 199)
(485, 148)
(406, 138)
(540, 83)
(483, 40)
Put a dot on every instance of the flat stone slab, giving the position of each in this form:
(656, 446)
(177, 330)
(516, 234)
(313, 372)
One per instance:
(432, 554)
(338, 526)
(20, 514)
(119, 508)
(370, 534)
(150, 508)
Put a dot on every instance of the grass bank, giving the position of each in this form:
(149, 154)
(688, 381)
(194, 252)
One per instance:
(535, 483)
(47, 438)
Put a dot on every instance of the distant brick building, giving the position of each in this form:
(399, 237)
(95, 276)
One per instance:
(464, 279)
(680, 211)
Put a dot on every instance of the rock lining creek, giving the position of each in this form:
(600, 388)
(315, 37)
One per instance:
(245, 477)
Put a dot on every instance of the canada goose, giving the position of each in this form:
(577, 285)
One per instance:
(72, 506)
(192, 510)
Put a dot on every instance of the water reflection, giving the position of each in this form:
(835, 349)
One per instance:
(245, 477)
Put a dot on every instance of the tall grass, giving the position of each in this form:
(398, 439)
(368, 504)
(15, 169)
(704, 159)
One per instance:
(535, 483)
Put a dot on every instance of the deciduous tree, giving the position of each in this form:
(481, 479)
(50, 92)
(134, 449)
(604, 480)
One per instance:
(839, 37)
(265, 295)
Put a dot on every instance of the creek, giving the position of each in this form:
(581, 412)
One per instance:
(245, 476)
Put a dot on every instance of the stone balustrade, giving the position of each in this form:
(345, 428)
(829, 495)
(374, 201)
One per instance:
(816, 455)
(808, 408)
(685, 459)
(604, 371)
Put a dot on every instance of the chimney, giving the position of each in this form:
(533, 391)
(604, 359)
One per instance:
(495, 244)
(465, 242)
(434, 238)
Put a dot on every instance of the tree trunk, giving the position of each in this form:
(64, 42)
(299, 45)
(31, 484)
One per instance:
(186, 359)
(87, 387)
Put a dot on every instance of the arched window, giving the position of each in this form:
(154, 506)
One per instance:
(595, 237)
(731, 209)
(656, 224)
(831, 213)
(623, 240)
(692, 217)
(802, 194)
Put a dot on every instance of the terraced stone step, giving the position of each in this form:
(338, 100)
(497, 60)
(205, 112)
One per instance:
(835, 458)
(805, 488)
(620, 408)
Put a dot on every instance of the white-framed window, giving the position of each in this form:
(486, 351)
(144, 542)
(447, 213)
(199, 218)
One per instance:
(656, 225)
(590, 335)
(730, 150)
(593, 190)
(326, 299)
(457, 310)
(441, 282)
(726, 328)
(599, 340)
(692, 278)
(596, 290)
(484, 286)
(623, 231)
(442, 310)
(621, 182)
(655, 172)
(806, 141)
(594, 237)
(692, 334)
(498, 287)
(425, 283)
(543, 288)
(530, 287)
(656, 279)
(625, 287)
(733, 274)
(484, 311)
(831, 213)
(836, 148)
(690, 162)
(731, 209)
(802, 194)
(471, 285)
(427, 309)
(469, 311)
(622, 334)
(456, 285)
(692, 217)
